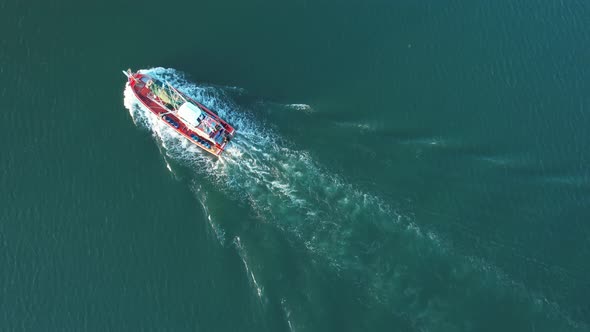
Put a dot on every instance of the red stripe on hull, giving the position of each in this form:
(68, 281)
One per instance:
(141, 93)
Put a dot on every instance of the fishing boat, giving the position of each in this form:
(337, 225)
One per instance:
(185, 115)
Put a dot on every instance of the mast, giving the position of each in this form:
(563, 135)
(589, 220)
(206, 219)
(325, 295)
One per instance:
(176, 91)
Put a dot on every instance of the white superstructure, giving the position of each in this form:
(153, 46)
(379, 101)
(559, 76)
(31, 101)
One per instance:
(190, 114)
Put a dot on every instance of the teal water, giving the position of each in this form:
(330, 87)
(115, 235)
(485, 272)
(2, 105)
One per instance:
(398, 166)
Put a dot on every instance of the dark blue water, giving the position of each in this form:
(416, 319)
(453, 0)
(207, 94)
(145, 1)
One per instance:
(398, 167)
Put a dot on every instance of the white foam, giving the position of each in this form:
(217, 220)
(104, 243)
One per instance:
(362, 127)
(287, 313)
(300, 107)
(286, 188)
(249, 272)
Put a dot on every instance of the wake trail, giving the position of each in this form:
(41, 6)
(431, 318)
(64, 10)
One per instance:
(358, 235)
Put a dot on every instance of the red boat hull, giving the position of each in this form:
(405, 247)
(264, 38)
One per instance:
(142, 93)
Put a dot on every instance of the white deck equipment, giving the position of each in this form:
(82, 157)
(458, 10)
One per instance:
(189, 114)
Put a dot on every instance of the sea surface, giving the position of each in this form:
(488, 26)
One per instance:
(398, 166)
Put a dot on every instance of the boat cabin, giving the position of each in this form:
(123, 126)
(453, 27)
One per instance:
(198, 120)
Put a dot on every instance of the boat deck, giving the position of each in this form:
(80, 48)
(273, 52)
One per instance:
(142, 92)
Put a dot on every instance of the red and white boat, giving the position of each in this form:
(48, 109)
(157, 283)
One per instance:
(185, 115)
